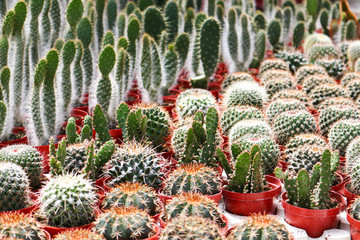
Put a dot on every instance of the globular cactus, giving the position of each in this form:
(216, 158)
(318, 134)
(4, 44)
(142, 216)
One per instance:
(305, 157)
(353, 53)
(191, 227)
(303, 139)
(275, 74)
(247, 174)
(273, 64)
(315, 38)
(264, 225)
(107, 60)
(244, 93)
(332, 114)
(282, 105)
(15, 193)
(305, 71)
(193, 100)
(324, 91)
(74, 12)
(133, 162)
(274, 85)
(334, 67)
(249, 127)
(352, 154)
(313, 81)
(348, 77)
(192, 177)
(319, 51)
(18, 225)
(193, 204)
(125, 223)
(28, 158)
(232, 115)
(295, 60)
(292, 94)
(342, 133)
(353, 88)
(290, 123)
(270, 150)
(133, 194)
(57, 204)
(336, 101)
(236, 77)
(79, 234)
(312, 191)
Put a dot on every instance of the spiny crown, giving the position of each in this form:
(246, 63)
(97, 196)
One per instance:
(133, 188)
(13, 219)
(125, 211)
(79, 234)
(194, 168)
(135, 148)
(262, 220)
(18, 149)
(192, 198)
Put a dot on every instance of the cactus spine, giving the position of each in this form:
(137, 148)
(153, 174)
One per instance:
(68, 55)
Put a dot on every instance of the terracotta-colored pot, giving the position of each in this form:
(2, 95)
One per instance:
(349, 195)
(249, 203)
(215, 197)
(22, 140)
(116, 134)
(79, 114)
(305, 218)
(354, 225)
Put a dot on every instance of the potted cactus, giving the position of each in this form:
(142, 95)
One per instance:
(79, 234)
(308, 197)
(248, 190)
(354, 219)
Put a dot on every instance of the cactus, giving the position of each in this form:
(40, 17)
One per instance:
(4, 82)
(352, 153)
(292, 94)
(303, 72)
(305, 157)
(273, 64)
(154, 23)
(45, 23)
(315, 80)
(276, 74)
(351, 30)
(146, 63)
(107, 60)
(189, 20)
(332, 114)
(108, 39)
(15, 193)
(247, 175)
(122, 73)
(191, 227)
(236, 77)
(55, 18)
(232, 37)
(35, 10)
(319, 51)
(298, 34)
(312, 191)
(100, 125)
(68, 55)
(78, 71)
(260, 21)
(121, 21)
(336, 101)
(290, 123)
(334, 67)
(342, 133)
(315, 38)
(156, 71)
(146, 165)
(171, 65)
(348, 77)
(282, 105)
(79, 234)
(274, 32)
(74, 13)
(172, 20)
(85, 33)
(322, 92)
(294, 59)
(196, 55)
(233, 115)
(274, 85)
(244, 93)
(354, 210)
(182, 44)
(62, 190)
(324, 20)
(132, 194)
(264, 225)
(99, 27)
(28, 158)
(249, 127)
(125, 223)
(192, 177)
(111, 9)
(301, 140)
(193, 204)
(20, 226)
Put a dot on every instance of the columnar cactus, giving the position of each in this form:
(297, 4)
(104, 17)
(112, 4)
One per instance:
(171, 65)
(154, 23)
(182, 44)
(74, 12)
(172, 20)
(35, 10)
(251, 127)
(122, 73)
(99, 25)
(192, 177)
(282, 105)
(100, 125)
(5, 75)
(298, 34)
(55, 18)
(274, 32)
(3, 113)
(68, 54)
(196, 51)
(78, 71)
(342, 133)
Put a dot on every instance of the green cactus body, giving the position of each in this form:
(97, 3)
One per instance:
(236, 77)
(133, 194)
(28, 158)
(74, 13)
(232, 37)
(245, 41)
(111, 9)
(4, 49)
(193, 204)
(35, 9)
(172, 20)
(298, 34)
(342, 133)
(189, 20)
(282, 105)
(265, 226)
(319, 51)
(182, 44)
(55, 17)
(122, 73)
(100, 125)
(68, 55)
(124, 223)
(292, 94)
(79, 234)
(244, 93)
(108, 39)
(260, 44)
(146, 64)
(336, 101)
(121, 25)
(20, 226)
(99, 6)
(301, 140)
(290, 123)
(171, 67)
(322, 92)
(355, 212)
(294, 59)
(305, 157)
(274, 32)
(156, 71)
(45, 23)
(274, 85)
(351, 30)
(193, 100)
(48, 99)
(273, 64)
(352, 165)
(313, 81)
(133, 32)
(249, 127)
(196, 55)
(234, 114)
(303, 72)
(286, 24)
(154, 23)
(315, 38)
(85, 33)
(146, 165)
(78, 70)
(67, 213)
(76, 157)
(4, 81)
(16, 188)
(260, 21)
(324, 20)
(192, 178)
(107, 60)
(348, 77)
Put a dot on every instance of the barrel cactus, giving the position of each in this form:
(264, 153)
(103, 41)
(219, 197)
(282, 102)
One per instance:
(348, 77)
(318, 51)
(249, 127)
(236, 77)
(352, 154)
(324, 91)
(307, 70)
(336, 101)
(270, 64)
(342, 133)
(355, 209)
(282, 105)
(353, 87)
(292, 94)
(302, 140)
(294, 59)
(313, 81)
(305, 157)
(79, 234)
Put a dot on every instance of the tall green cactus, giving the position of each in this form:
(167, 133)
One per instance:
(4, 81)
(100, 125)
(232, 37)
(48, 99)
(154, 23)
(85, 34)
(108, 39)
(45, 23)
(7, 28)
(122, 73)
(298, 34)
(74, 14)
(274, 32)
(3, 111)
(200, 18)
(156, 71)
(111, 9)
(245, 41)
(68, 55)
(286, 24)
(133, 32)
(146, 63)
(99, 26)
(351, 30)
(260, 45)
(39, 77)
(78, 70)
(3, 8)
(55, 16)
(189, 20)
(36, 7)
(170, 67)
(107, 60)
(324, 20)
(172, 20)
(220, 15)
(182, 45)
(121, 25)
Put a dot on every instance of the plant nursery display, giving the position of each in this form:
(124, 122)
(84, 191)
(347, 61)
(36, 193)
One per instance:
(164, 119)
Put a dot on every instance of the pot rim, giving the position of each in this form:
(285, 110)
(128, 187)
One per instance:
(352, 220)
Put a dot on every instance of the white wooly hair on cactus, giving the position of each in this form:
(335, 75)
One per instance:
(225, 49)
(60, 114)
(113, 103)
(29, 123)
(245, 4)
(188, 62)
(252, 45)
(145, 94)
(249, 86)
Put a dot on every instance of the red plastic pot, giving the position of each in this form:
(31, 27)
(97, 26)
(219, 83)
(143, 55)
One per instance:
(157, 234)
(214, 88)
(349, 195)
(254, 71)
(169, 98)
(135, 98)
(216, 197)
(169, 108)
(80, 114)
(101, 186)
(305, 218)
(354, 225)
(249, 203)
(22, 140)
(85, 109)
(44, 151)
(116, 134)
(174, 115)
(338, 186)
